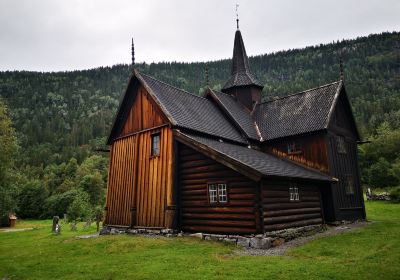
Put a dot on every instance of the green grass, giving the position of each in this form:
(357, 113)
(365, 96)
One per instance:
(372, 252)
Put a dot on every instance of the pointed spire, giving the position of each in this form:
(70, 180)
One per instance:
(341, 66)
(240, 69)
(133, 53)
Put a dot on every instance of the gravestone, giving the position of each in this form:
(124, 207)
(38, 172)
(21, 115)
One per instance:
(56, 219)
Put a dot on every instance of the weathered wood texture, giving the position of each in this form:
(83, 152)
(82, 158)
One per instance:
(144, 114)
(121, 182)
(281, 213)
(344, 166)
(313, 152)
(140, 186)
(154, 180)
(197, 214)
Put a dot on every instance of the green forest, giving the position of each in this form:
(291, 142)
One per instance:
(53, 126)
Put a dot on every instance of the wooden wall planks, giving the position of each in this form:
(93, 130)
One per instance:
(280, 213)
(139, 182)
(237, 216)
(144, 114)
(314, 152)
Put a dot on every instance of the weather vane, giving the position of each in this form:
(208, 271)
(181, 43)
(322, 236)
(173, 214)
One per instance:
(237, 16)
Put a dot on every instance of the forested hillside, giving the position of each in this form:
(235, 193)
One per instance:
(61, 118)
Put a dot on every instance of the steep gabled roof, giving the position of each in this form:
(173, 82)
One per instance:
(182, 109)
(299, 113)
(240, 71)
(237, 112)
(250, 162)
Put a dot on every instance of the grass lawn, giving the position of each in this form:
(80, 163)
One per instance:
(372, 252)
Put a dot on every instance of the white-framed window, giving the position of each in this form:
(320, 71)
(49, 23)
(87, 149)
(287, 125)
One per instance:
(213, 193)
(341, 144)
(218, 193)
(155, 144)
(222, 193)
(294, 148)
(294, 193)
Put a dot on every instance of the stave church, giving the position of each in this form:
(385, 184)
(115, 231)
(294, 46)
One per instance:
(226, 162)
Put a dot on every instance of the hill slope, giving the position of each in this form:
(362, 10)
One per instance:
(57, 114)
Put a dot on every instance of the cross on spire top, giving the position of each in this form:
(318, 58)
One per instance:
(237, 16)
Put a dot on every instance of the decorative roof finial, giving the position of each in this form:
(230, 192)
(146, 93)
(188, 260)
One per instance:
(133, 53)
(206, 74)
(237, 16)
(341, 66)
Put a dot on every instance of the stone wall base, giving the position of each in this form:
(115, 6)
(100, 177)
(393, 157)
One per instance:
(256, 241)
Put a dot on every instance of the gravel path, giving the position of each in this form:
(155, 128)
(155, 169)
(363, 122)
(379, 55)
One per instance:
(281, 250)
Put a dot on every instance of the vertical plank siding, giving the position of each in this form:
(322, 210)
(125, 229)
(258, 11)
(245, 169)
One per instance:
(313, 153)
(197, 215)
(121, 182)
(143, 114)
(139, 184)
(342, 166)
(281, 213)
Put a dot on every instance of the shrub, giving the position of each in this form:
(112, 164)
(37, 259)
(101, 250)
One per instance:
(79, 209)
(395, 194)
(31, 199)
(57, 205)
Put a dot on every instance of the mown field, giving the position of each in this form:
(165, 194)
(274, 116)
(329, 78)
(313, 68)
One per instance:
(371, 252)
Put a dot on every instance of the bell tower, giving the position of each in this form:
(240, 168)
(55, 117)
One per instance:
(242, 84)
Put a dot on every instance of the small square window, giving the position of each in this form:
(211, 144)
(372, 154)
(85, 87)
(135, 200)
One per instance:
(294, 193)
(349, 184)
(212, 192)
(218, 193)
(341, 145)
(222, 193)
(155, 144)
(294, 148)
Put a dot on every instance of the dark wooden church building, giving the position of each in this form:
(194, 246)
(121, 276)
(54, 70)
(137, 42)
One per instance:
(226, 162)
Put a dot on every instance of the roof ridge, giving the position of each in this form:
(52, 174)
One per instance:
(300, 92)
(180, 89)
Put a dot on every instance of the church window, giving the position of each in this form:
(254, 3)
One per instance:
(155, 145)
(218, 193)
(349, 184)
(341, 145)
(294, 193)
(294, 148)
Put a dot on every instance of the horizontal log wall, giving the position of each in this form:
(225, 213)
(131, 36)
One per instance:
(197, 215)
(281, 213)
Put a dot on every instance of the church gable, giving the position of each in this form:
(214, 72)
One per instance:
(143, 114)
(342, 120)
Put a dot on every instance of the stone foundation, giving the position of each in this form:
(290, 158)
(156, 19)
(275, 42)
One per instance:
(259, 241)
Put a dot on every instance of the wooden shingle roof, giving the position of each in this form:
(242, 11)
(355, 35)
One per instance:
(238, 113)
(299, 113)
(252, 162)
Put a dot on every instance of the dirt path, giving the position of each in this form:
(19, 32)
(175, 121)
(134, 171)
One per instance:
(281, 250)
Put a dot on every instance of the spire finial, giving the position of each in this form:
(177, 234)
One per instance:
(237, 16)
(206, 74)
(341, 66)
(133, 53)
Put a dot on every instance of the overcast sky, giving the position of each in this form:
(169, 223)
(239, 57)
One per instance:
(54, 35)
